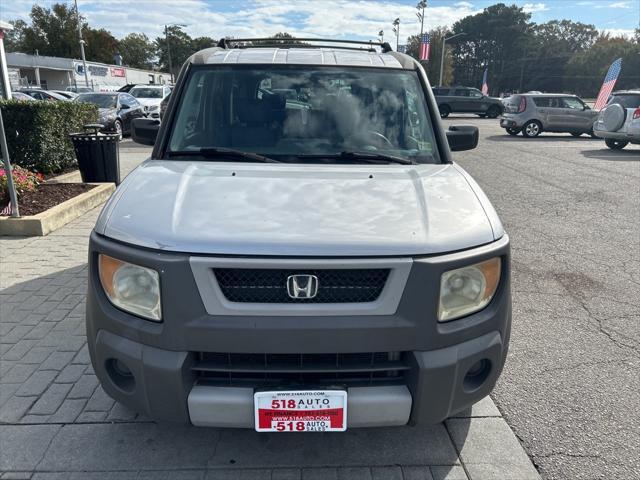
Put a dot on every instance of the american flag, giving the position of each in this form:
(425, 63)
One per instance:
(6, 211)
(485, 86)
(425, 46)
(608, 84)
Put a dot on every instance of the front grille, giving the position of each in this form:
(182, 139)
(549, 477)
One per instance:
(258, 285)
(309, 370)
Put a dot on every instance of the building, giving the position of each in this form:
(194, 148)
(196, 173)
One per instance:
(56, 73)
(5, 92)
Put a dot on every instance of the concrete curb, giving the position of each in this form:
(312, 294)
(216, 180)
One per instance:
(71, 177)
(58, 216)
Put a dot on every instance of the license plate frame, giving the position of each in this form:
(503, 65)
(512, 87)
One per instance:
(318, 410)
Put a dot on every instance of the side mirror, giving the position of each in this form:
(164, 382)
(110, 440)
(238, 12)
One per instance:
(462, 137)
(586, 107)
(145, 130)
(124, 106)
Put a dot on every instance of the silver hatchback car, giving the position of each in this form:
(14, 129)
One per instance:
(533, 114)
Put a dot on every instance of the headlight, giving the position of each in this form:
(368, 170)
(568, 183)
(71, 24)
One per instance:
(468, 289)
(130, 287)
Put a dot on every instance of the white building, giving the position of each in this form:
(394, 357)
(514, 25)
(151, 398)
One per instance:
(56, 73)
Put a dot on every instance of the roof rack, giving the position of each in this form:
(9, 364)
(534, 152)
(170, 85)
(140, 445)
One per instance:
(294, 43)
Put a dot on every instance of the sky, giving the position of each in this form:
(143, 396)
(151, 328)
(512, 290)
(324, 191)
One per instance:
(357, 19)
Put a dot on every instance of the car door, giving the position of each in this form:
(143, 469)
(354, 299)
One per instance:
(475, 101)
(459, 100)
(555, 115)
(578, 116)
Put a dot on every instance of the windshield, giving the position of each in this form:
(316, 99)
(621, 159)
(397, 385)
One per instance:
(145, 92)
(101, 100)
(626, 100)
(290, 112)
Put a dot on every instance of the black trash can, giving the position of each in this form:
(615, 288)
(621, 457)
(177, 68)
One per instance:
(97, 154)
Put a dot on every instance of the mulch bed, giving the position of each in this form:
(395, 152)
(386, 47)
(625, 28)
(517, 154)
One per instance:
(47, 196)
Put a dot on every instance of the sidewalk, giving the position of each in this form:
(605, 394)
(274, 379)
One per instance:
(57, 423)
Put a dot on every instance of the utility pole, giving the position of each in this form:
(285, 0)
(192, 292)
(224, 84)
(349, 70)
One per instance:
(84, 60)
(166, 36)
(381, 35)
(396, 30)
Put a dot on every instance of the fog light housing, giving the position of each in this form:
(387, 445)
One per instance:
(120, 374)
(476, 375)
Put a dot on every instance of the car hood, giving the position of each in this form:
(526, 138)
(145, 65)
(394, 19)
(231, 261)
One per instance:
(147, 102)
(299, 210)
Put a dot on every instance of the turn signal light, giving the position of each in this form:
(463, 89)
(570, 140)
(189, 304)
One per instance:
(636, 113)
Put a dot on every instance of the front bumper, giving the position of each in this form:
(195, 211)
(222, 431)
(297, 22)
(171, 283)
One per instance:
(162, 385)
(165, 384)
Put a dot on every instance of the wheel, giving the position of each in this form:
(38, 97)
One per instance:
(615, 144)
(512, 131)
(117, 127)
(576, 134)
(494, 111)
(445, 110)
(531, 129)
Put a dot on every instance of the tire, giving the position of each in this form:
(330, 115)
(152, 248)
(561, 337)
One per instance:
(576, 134)
(512, 131)
(531, 129)
(494, 111)
(117, 128)
(615, 144)
(445, 110)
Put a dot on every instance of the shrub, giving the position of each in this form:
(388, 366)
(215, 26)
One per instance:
(24, 181)
(38, 132)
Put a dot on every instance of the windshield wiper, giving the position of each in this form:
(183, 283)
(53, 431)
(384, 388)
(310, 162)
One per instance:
(376, 157)
(216, 152)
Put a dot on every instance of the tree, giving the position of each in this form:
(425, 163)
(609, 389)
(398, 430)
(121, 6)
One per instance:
(181, 45)
(100, 45)
(495, 39)
(14, 39)
(137, 50)
(432, 66)
(54, 32)
(586, 71)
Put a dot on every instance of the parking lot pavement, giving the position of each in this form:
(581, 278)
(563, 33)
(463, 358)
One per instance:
(570, 389)
(57, 423)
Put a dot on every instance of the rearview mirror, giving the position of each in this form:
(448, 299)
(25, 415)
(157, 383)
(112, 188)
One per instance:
(462, 137)
(145, 130)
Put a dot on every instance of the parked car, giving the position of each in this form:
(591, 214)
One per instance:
(466, 100)
(619, 122)
(45, 95)
(65, 93)
(22, 96)
(271, 261)
(76, 89)
(127, 88)
(116, 110)
(533, 114)
(151, 96)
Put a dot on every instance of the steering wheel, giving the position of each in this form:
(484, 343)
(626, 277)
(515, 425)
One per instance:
(379, 140)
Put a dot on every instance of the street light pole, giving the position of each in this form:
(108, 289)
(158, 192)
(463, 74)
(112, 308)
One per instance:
(444, 41)
(84, 60)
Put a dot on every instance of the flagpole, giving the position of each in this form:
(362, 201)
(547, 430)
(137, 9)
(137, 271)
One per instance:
(13, 197)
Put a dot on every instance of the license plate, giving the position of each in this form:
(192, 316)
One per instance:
(301, 411)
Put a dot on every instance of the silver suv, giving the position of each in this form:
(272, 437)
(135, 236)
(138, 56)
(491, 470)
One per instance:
(300, 253)
(466, 100)
(533, 114)
(619, 122)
